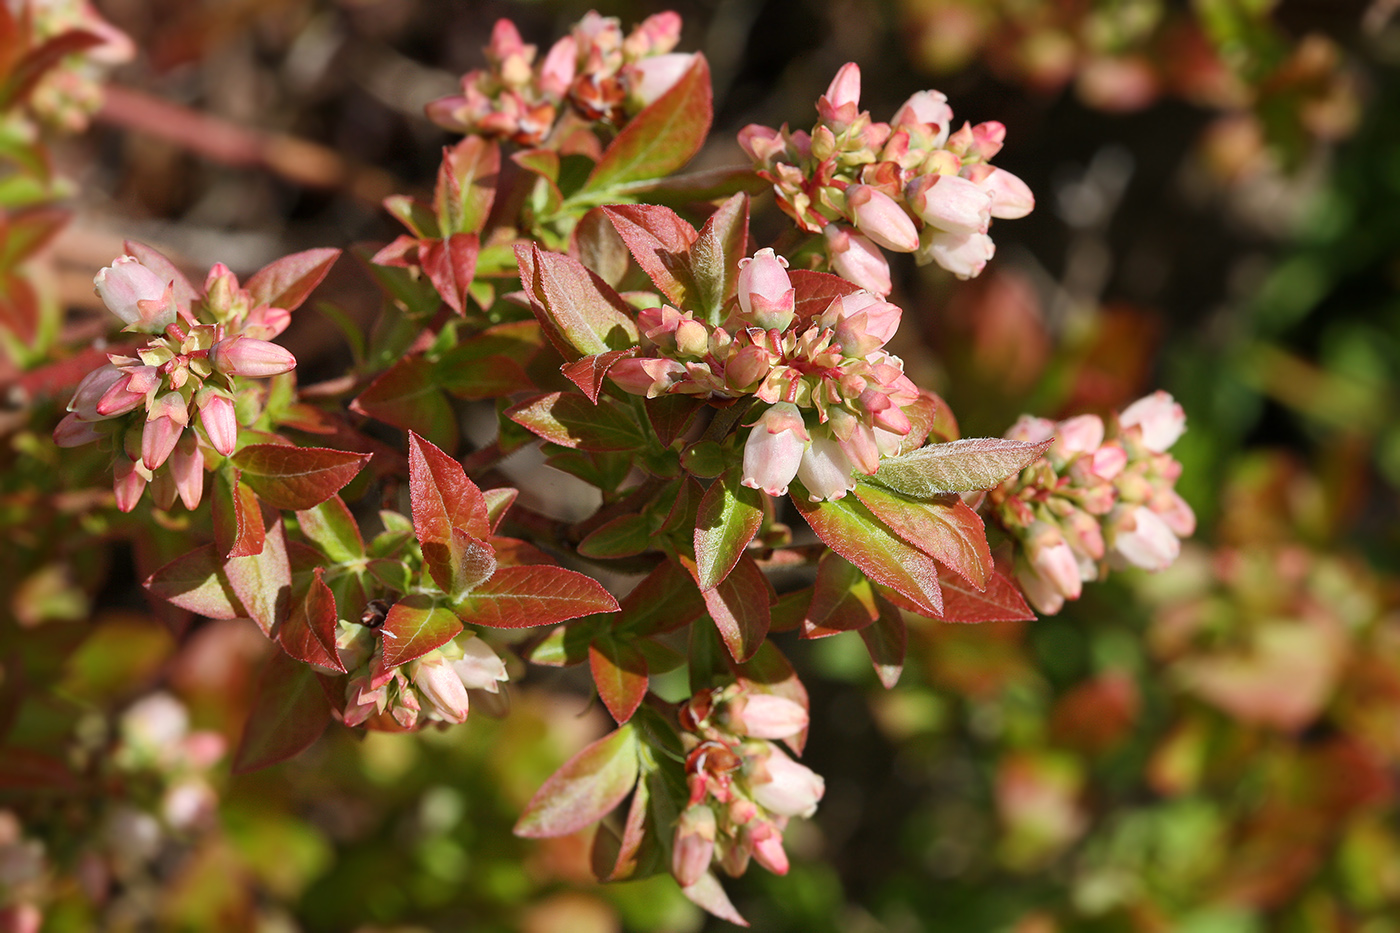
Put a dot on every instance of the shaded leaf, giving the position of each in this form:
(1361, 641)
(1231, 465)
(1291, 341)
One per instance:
(664, 601)
(589, 372)
(332, 528)
(466, 184)
(620, 673)
(197, 583)
(739, 607)
(660, 242)
(309, 632)
(263, 581)
(715, 254)
(585, 789)
(407, 396)
(580, 313)
(671, 415)
(624, 536)
(450, 265)
(570, 420)
(290, 711)
(842, 599)
(885, 640)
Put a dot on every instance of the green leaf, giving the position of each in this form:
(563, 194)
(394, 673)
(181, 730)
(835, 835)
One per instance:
(588, 787)
(416, 625)
(332, 528)
(727, 520)
(945, 529)
(571, 420)
(624, 536)
(296, 478)
(715, 254)
(662, 137)
(466, 184)
(958, 466)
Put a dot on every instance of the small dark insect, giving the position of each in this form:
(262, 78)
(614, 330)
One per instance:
(376, 611)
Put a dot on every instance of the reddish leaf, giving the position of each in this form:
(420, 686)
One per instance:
(407, 396)
(580, 313)
(287, 282)
(671, 415)
(660, 242)
(715, 254)
(708, 894)
(849, 529)
(451, 265)
(585, 789)
(688, 188)
(296, 478)
(596, 244)
(289, 712)
(442, 496)
(197, 583)
(958, 466)
(1000, 602)
(27, 232)
(238, 524)
(624, 536)
(25, 769)
(466, 184)
(740, 608)
(460, 563)
(885, 640)
(521, 597)
(816, 290)
(589, 372)
(728, 517)
(19, 306)
(664, 601)
(413, 214)
(157, 262)
(263, 581)
(497, 501)
(570, 420)
(662, 137)
(945, 529)
(620, 861)
(34, 65)
(416, 625)
(620, 673)
(309, 632)
(842, 599)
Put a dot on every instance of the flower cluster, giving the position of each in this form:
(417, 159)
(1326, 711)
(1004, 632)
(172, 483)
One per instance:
(432, 687)
(835, 399)
(595, 73)
(911, 185)
(743, 787)
(67, 96)
(155, 401)
(1094, 501)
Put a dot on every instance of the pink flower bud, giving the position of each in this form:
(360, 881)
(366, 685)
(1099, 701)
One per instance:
(655, 35)
(127, 482)
(265, 322)
(1139, 537)
(245, 356)
(160, 435)
(1108, 461)
(963, 254)
(782, 786)
(747, 367)
(125, 284)
(93, 387)
(692, 339)
(825, 470)
(72, 431)
(1176, 513)
(216, 414)
(766, 295)
(765, 841)
(766, 716)
(187, 470)
(127, 393)
(863, 323)
(1040, 592)
(1011, 197)
(1031, 430)
(1081, 434)
(987, 139)
(1158, 417)
(926, 107)
(440, 686)
(879, 216)
(763, 143)
(647, 376)
(1085, 537)
(559, 67)
(505, 41)
(694, 846)
(480, 668)
(652, 77)
(950, 203)
(1052, 559)
(775, 449)
(845, 87)
(857, 440)
(856, 259)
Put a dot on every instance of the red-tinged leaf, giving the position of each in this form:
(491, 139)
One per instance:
(442, 496)
(466, 185)
(662, 137)
(768, 671)
(497, 501)
(416, 625)
(488, 377)
(664, 601)
(238, 522)
(688, 494)
(789, 611)
(842, 599)
(263, 581)
(408, 396)
(296, 478)
(460, 563)
(958, 466)
(624, 536)
(620, 862)
(512, 552)
(290, 711)
(521, 597)
(27, 232)
(580, 313)
(19, 307)
(660, 242)
(570, 420)
(196, 582)
(589, 372)
(333, 529)
(689, 188)
(596, 244)
(1001, 601)
(309, 632)
(451, 265)
(708, 894)
(885, 640)
(715, 255)
(29, 770)
(740, 608)
(543, 162)
(671, 415)
(849, 529)
(945, 529)
(817, 290)
(585, 789)
(728, 517)
(34, 65)
(620, 673)
(413, 214)
(287, 282)
(474, 368)
(567, 645)
(158, 263)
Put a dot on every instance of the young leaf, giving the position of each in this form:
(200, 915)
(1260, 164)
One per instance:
(416, 625)
(589, 372)
(816, 290)
(1001, 601)
(620, 862)
(958, 466)
(842, 599)
(580, 313)
(287, 282)
(570, 420)
(715, 254)
(620, 673)
(663, 137)
(459, 563)
(309, 632)
(333, 529)
(727, 520)
(450, 265)
(849, 529)
(740, 608)
(624, 536)
(664, 601)
(407, 396)
(885, 640)
(708, 894)
(660, 242)
(466, 184)
(289, 712)
(537, 594)
(238, 524)
(596, 244)
(196, 582)
(497, 501)
(263, 581)
(945, 529)
(585, 789)
(296, 478)
(442, 496)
